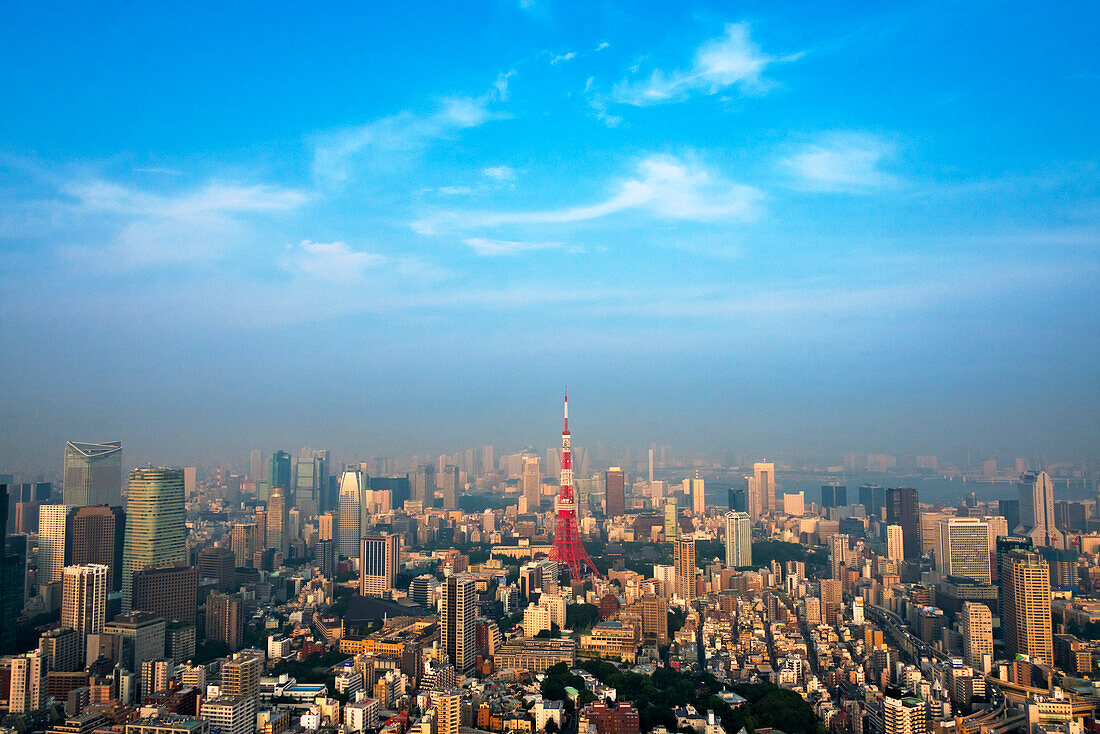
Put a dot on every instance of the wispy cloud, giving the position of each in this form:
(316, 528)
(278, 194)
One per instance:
(731, 59)
(556, 59)
(330, 261)
(98, 196)
(337, 154)
(843, 162)
(493, 248)
(499, 173)
(602, 45)
(663, 186)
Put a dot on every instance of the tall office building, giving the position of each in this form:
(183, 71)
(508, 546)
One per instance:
(672, 519)
(738, 539)
(654, 618)
(84, 598)
(834, 495)
(764, 474)
(615, 492)
(28, 683)
(278, 521)
(423, 485)
(963, 548)
(449, 484)
(532, 482)
(52, 524)
(217, 562)
(278, 473)
(241, 678)
(353, 488)
(1025, 584)
(840, 555)
(488, 462)
(1010, 510)
(156, 529)
(903, 508)
(171, 593)
(457, 629)
(1037, 511)
(12, 579)
(683, 561)
(243, 543)
(895, 543)
(977, 628)
(95, 535)
(698, 495)
(93, 474)
(311, 476)
(379, 561)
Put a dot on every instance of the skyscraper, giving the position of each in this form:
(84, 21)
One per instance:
(683, 553)
(977, 626)
(672, 519)
(52, 524)
(1037, 511)
(278, 536)
(532, 482)
(423, 485)
(225, 619)
(457, 628)
(93, 474)
(171, 593)
(895, 543)
(279, 471)
(379, 561)
(95, 535)
(1025, 584)
(241, 678)
(698, 495)
(352, 501)
(310, 479)
(903, 508)
(448, 482)
(615, 492)
(963, 548)
(28, 683)
(156, 529)
(12, 579)
(738, 539)
(833, 495)
(84, 598)
(764, 474)
(243, 543)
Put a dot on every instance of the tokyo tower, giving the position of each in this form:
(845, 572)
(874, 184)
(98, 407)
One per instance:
(567, 548)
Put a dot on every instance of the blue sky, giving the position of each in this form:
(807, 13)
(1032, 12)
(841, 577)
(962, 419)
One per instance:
(771, 227)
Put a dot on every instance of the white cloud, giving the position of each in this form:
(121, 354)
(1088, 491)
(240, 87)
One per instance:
(602, 45)
(663, 186)
(455, 190)
(848, 162)
(731, 59)
(492, 248)
(557, 59)
(99, 196)
(499, 173)
(331, 261)
(336, 154)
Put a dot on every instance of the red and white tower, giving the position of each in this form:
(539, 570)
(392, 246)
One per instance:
(567, 547)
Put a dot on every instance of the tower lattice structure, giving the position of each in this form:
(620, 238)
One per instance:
(567, 548)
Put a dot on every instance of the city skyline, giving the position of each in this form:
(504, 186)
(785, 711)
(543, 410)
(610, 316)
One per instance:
(764, 228)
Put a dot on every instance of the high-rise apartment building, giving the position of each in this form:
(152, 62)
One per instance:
(241, 678)
(672, 519)
(614, 492)
(243, 543)
(532, 482)
(895, 543)
(1025, 584)
(764, 474)
(903, 508)
(738, 540)
(278, 521)
(903, 714)
(93, 474)
(225, 619)
(840, 555)
(457, 629)
(963, 548)
(449, 484)
(52, 524)
(683, 561)
(977, 629)
(156, 528)
(84, 598)
(698, 495)
(353, 487)
(28, 683)
(654, 618)
(156, 675)
(228, 714)
(1037, 511)
(95, 535)
(379, 561)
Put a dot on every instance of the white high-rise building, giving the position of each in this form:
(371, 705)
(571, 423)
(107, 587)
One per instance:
(764, 474)
(977, 628)
(895, 544)
(1037, 511)
(230, 714)
(698, 495)
(738, 539)
(84, 598)
(532, 482)
(52, 521)
(963, 548)
(350, 524)
(28, 683)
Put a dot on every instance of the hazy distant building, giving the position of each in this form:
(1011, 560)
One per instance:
(532, 482)
(764, 474)
(96, 535)
(672, 519)
(93, 474)
(833, 495)
(1037, 511)
(738, 539)
(278, 521)
(615, 492)
(698, 495)
(449, 484)
(423, 485)
(156, 528)
(311, 476)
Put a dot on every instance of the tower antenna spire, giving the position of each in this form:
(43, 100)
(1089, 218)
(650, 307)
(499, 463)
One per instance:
(567, 549)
